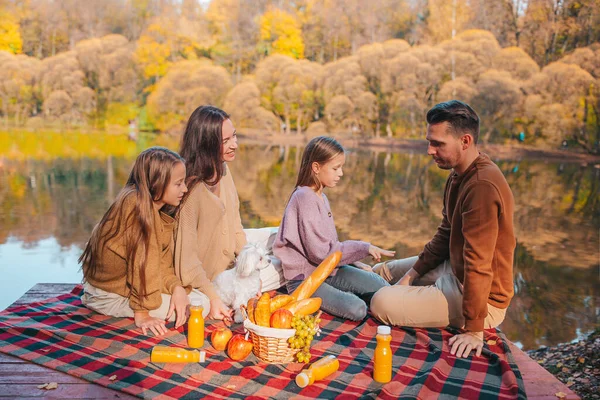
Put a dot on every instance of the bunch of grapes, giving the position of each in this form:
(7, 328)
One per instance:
(306, 327)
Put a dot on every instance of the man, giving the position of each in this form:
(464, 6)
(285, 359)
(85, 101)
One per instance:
(464, 276)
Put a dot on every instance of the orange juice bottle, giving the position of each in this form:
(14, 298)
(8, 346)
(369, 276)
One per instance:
(382, 362)
(162, 354)
(195, 335)
(318, 370)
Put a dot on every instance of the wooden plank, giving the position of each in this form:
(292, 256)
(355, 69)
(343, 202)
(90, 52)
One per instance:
(63, 391)
(539, 383)
(19, 379)
(6, 359)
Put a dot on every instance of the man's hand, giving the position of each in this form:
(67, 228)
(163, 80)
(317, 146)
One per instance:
(463, 343)
(377, 252)
(144, 321)
(218, 310)
(179, 303)
(408, 278)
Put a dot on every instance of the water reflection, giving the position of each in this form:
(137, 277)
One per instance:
(50, 205)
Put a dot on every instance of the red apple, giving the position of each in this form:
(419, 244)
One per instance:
(220, 337)
(239, 347)
(282, 319)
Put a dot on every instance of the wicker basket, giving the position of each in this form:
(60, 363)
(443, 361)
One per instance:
(271, 344)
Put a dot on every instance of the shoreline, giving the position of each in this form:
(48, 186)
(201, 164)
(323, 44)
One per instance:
(496, 151)
(577, 365)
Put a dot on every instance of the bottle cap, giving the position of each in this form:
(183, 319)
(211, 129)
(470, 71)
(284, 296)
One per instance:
(197, 303)
(302, 379)
(384, 330)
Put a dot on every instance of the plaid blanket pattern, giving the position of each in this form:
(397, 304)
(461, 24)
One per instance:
(62, 334)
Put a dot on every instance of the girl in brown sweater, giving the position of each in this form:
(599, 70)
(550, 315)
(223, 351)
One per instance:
(128, 261)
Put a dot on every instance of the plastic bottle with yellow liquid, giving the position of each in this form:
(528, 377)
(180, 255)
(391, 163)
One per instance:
(165, 354)
(382, 360)
(320, 369)
(195, 336)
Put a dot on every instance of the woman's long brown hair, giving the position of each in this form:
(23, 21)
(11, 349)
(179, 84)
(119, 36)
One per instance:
(201, 146)
(320, 150)
(147, 181)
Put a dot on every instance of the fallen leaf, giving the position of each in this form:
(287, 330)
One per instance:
(570, 383)
(565, 369)
(112, 378)
(540, 361)
(45, 350)
(491, 342)
(561, 395)
(559, 365)
(48, 386)
(230, 386)
(581, 360)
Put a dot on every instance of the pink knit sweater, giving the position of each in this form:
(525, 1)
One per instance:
(307, 235)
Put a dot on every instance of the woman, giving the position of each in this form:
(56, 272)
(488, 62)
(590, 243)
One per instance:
(210, 233)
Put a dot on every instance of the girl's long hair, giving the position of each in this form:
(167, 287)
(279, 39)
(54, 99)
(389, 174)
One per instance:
(201, 146)
(148, 182)
(320, 149)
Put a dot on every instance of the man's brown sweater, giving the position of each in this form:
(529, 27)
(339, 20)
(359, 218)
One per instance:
(118, 275)
(476, 235)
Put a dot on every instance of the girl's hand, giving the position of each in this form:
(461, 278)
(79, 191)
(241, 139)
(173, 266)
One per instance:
(218, 310)
(179, 303)
(363, 266)
(377, 252)
(144, 321)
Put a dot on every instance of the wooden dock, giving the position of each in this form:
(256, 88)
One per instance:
(20, 379)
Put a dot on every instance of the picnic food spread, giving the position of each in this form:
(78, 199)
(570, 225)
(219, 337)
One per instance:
(196, 327)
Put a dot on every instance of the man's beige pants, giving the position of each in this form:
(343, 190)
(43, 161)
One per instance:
(433, 300)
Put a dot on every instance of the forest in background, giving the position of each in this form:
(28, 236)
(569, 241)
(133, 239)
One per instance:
(305, 67)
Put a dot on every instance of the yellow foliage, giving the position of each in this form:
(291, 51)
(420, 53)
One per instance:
(52, 145)
(282, 33)
(153, 51)
(10, 36)
(121, 113)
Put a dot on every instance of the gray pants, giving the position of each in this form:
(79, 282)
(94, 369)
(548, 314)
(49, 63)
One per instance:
(340, 293)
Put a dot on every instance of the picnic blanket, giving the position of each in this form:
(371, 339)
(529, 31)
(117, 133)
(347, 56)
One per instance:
(62, 334)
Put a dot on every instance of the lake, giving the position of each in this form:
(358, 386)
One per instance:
(55, 187)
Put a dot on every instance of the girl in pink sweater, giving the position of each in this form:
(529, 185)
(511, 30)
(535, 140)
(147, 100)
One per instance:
(307, 235)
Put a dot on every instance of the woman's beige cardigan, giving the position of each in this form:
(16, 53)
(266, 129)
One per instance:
(209, 235)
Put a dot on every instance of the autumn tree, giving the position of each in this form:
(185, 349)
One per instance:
(243, 104)
(18, 81)
(370, 58)
(73, 101)
(10, 37)
(515, 61)
(567, 90)
(409, 83)
(187, 85)
(280, 33)
(234, 28)
(499, 98)
(353, 109)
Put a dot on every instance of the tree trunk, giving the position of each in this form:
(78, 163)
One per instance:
(299, 123)
(288, 129)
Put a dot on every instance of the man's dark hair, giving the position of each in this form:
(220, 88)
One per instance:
(460, 116)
